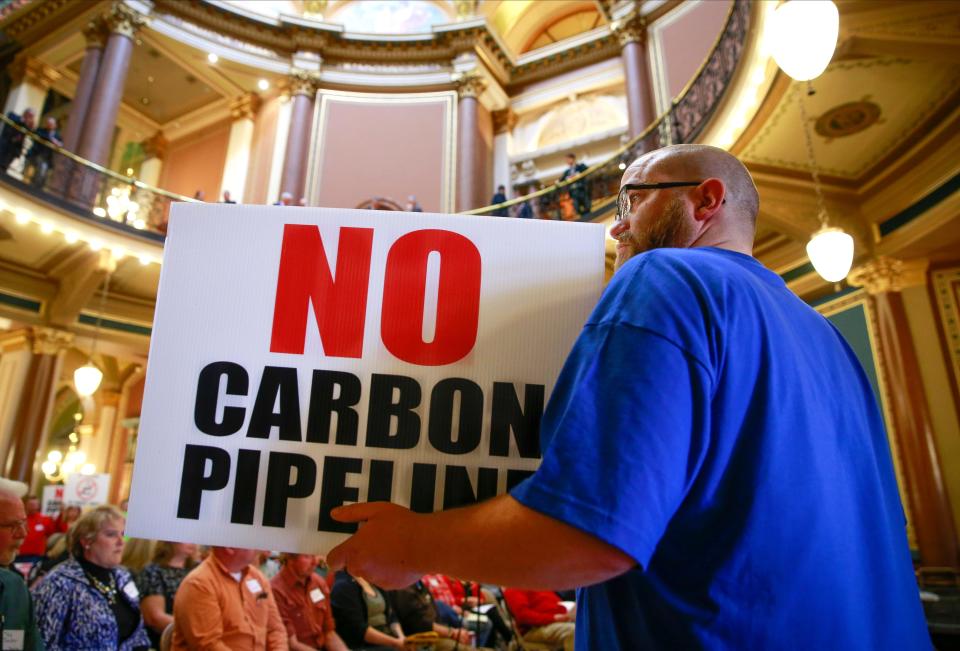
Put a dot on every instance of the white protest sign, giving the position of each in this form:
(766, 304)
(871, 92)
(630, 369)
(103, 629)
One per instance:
(52, 500)
(86, 490)
(306, 358)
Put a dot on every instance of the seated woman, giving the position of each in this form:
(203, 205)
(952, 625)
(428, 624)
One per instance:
(89, 601)
(158, 583)
(364, 615)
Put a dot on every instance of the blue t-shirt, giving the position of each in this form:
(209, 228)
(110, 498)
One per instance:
(721, 432)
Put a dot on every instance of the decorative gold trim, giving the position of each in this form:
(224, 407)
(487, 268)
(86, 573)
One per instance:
(321, 113)
(842, 304)
(123, 20)
(49, 341)
(631, 29)
(33, 71)
(470, 85)
(883, 274)
(245, 106)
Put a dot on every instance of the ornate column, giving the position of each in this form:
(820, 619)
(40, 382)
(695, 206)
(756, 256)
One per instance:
(303, 89)
(97, 132)
(155, 149)
(243, 110)
(632, 34)
(469, 193)
(36, 399)
(32, 79)
(884, 278)
(503, 123)
(96, 35)
(120, 438)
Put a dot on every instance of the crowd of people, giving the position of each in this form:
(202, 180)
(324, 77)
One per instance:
(75, 582)
(38, 157)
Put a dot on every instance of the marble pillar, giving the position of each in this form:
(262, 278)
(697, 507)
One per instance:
(469, 172)
(884, 278)
(31, 80)
(96, 35)
(303, 89)
(243, 110)
(636, 71)
(155, 150)
(101, 118)
(35, 400)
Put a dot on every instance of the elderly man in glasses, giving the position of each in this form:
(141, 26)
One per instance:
(19, 624)
(715, 468)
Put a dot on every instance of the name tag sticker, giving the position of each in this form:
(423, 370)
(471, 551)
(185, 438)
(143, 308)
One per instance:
(13, 640)
(131, 590)
(316, 595)
(254, 586)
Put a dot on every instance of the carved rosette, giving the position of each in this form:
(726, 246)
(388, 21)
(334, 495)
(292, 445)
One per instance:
(123, 20)
(302, 82)
(96, 33)
(50, 341)
(245, 106)
(470, 85)
(156, 146)
(33, 71)
(632, 29)
(883, 274)
(504, 120)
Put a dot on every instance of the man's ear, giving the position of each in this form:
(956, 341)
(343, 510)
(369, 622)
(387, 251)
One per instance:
(711, 195)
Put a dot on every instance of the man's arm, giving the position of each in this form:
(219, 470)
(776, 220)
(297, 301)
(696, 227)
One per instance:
(499, 541)
(198, 617)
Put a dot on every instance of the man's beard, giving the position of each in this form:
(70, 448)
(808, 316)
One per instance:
(670, 230)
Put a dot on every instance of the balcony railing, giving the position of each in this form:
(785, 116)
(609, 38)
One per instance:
(52, 174)
(689, 113)
(90, 191)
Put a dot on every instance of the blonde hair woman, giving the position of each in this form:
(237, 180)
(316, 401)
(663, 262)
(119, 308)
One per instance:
(90, 601)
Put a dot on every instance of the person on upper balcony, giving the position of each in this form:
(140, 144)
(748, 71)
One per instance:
(579, 190)
(40, 155)
(12, 140)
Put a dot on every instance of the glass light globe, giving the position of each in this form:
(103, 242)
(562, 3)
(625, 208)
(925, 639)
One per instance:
(803, 36)
(78, 458)
(87, 379)
(48, 467)
(56, 456)
(831, 252)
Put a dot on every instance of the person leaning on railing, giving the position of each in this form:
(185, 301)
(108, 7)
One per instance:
(40, 156)
(11, 140)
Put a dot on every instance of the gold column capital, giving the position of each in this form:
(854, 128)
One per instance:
(504, 120)
(123, 20)
(465, 9)
(245, 106)
(49, 341)
(156, 146)
(302, 82)
(883, 274)
(631, 29)
(470, 85)
(33, 71)
(96, 33)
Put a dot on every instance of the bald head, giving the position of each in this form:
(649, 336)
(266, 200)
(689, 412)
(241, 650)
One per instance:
(701, 162)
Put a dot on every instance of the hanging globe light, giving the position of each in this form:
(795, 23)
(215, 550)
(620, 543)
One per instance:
(831, 252)
(803, 36)
(86, 379)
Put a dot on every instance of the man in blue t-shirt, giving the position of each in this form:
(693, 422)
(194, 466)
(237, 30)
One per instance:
(715, 468)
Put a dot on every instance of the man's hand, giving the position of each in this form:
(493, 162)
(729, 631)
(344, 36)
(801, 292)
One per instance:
(379, 551)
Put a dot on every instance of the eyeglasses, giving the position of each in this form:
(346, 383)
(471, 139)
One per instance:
(13, 526)
(625, 198)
